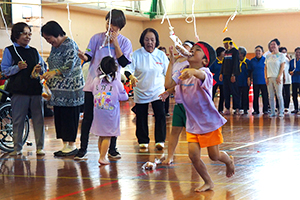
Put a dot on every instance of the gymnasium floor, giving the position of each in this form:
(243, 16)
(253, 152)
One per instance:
(266, 152)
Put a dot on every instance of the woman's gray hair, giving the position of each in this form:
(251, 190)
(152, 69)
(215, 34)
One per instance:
(243, 50)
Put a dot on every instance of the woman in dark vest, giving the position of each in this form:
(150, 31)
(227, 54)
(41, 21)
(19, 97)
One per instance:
(18, 62)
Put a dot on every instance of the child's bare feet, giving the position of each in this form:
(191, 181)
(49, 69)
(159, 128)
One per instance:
(230, 168)
(205, 187)
(103, 161)
(168, 161)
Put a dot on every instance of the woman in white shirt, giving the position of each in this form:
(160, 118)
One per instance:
(274, 68)
(147, 74)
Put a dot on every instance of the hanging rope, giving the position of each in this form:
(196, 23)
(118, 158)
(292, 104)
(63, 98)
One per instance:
(107, 34)
(231, 18)
(177, 42)
(193, 19)
(2, 15)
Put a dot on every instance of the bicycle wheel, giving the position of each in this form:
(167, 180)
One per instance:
(6, 128)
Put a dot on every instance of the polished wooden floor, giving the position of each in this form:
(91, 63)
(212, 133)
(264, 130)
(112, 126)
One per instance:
(266, 151)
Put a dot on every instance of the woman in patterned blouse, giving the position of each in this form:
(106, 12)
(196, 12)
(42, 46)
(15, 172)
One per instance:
(66, 82)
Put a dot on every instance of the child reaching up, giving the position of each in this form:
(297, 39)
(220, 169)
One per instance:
(107, 92)
(204, 123)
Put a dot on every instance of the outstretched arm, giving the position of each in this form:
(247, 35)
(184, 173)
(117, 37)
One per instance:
(189, 72)
(169, 82)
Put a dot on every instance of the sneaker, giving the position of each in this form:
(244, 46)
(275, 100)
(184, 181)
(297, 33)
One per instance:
(15, 153)
(256, 113)
(70, 153)
(143, 148)
(266, 112)
(272, 115)
(159, 146)
(40, 152)
(115, 154)
(281, 115)
(81, 155)
(294, 111)
(286, 110)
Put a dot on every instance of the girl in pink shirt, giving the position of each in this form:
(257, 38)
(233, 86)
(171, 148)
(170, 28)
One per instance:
(107, 91)
(203, 125)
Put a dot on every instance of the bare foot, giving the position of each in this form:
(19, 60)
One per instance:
(103, 161)
(230, 168)
(205, 187)
(168, 161)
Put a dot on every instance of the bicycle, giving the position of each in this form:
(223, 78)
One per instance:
(6, 124)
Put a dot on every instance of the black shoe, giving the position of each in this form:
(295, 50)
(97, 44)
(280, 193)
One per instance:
(58, 153)
(294, 111)
(81, 155)
(114, 154)
(255, 113)
(71, 153)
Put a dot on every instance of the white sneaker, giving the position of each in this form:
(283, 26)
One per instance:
(160, 146)
(15, 153)
(40, 152)
(143, 146)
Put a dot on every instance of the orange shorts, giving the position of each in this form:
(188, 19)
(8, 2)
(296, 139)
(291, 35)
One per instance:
(206, 140)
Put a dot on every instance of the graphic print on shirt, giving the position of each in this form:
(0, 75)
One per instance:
(102, 99)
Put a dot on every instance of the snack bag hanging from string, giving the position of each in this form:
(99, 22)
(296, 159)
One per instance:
(46, 94)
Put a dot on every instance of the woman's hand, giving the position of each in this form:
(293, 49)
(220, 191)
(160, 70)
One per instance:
(114, 38)
(164, 96)
(278, 80)
(133, 80)
(221, 77)
(187, 73)
(48, 75)
(38, 68)
(232, 79)
(82, 56)
(292, 73)
(22, 65)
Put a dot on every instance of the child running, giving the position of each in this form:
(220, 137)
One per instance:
(204, 123)
(107, 92)
(179, 117)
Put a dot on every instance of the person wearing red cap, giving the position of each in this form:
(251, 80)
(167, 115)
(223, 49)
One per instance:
(204, 122)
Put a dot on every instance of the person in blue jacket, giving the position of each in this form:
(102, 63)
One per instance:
(215, 68)
(295, 73)
(242, 80)
(256, 70)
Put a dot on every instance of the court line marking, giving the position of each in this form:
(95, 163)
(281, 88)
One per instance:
(104, 184)
(265, 140)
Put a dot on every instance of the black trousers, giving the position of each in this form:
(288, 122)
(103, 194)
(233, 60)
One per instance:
(244, 98)
(295, 93)
(166, 104)
(231, 89)
(257, 88)
(87, 123)
(221, 100)
(66, 121)
(142, 131)
(286, 93)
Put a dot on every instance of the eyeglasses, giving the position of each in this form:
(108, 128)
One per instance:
(26, 33)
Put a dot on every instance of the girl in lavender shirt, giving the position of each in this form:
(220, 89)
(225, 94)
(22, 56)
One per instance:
(107, 92)
(203, 125)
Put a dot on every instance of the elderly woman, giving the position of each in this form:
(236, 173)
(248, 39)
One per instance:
(274, 67)
(26, 91)
(256, 70)
(66, 82)
(147, 74)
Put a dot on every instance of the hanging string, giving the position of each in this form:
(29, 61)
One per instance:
(41, 38)
(177, 42)
(9, 35)
(107, 34)
(70, 21)
(193, 19)
(231, 18)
